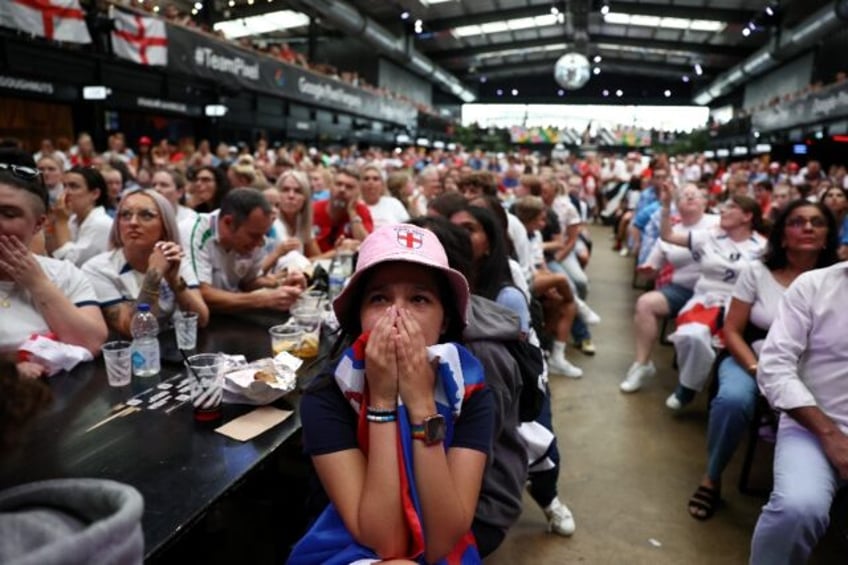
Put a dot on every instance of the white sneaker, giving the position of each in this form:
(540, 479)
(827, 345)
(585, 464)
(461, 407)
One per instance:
(560, 520)
(589, 316)
(560, 365)
(636, 376)
(625, 252)
(674, 403)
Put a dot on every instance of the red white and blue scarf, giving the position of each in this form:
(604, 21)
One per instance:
(459, 375)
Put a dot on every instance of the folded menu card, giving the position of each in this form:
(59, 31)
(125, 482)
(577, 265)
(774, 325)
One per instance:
(253, 423)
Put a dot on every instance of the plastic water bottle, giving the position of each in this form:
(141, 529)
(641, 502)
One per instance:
(340, 269)
(145, 344)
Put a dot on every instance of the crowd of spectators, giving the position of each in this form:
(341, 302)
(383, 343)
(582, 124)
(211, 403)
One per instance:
(228, 229)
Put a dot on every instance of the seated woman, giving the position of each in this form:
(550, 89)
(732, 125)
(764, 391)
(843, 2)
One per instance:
(722, 255)
(79, 225)
(399, 432)
(209, 185)
(293, 225)
(385, 209)
(671, 295)
(803, 238)
(171, 184)
(42, 295)
(145, 265)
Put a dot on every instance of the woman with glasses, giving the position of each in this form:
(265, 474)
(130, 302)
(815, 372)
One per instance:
(39, 294)
(144, 265)
(208, 189)
(79, 226)
(804, 237)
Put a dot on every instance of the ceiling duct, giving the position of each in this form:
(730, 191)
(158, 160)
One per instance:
(350, 21)
(788, 43)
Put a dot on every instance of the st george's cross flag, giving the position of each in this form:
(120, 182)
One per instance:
(59, 20)
(140, 39)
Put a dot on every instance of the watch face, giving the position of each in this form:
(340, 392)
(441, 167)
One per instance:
(434, 428)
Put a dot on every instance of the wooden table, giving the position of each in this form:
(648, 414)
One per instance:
(179, 466)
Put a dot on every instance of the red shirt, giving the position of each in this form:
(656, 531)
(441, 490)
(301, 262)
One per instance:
(327, 232)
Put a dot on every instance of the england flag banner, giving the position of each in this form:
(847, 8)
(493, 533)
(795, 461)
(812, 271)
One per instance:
(140, 39)
(59, 20)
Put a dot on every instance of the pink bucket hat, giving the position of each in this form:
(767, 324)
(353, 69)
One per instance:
(401, 242)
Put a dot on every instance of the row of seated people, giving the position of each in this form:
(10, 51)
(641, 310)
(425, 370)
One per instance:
(723, 278)
(230, 261)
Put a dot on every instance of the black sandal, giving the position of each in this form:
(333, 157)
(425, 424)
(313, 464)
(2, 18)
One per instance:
(704, 502)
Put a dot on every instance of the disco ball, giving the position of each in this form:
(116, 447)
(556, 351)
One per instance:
(572, 71)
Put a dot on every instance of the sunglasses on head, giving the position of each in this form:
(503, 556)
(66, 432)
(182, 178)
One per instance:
(21, 171)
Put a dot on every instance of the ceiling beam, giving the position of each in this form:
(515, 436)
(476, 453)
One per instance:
(689, 47)
(646, 9)
(630, 66)
(728, 15)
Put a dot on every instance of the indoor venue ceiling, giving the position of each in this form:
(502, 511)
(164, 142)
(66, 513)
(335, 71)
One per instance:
(504, 50)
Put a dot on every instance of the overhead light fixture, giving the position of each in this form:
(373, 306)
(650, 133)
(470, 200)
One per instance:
(419, 26)
(667, 93)
(215, 110)
(404, 15)
(596, 71)
(619, 18)
(619, 93)
(515, 24)
(266, 23)
(431, 2)
(698, 70)
(560, 92)
(605, 93)
(483, 79)
(95, 92)
(198, 6)
(598, 59)
(746, 32)
(685, 78)
(605, 9)
(499, 92)
(514, 92)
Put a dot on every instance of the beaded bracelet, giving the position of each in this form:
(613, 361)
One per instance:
(381, 415)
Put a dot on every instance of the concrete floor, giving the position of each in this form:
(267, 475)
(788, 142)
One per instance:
(629, 464)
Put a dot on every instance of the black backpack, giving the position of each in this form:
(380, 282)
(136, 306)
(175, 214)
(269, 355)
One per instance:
(532, 366)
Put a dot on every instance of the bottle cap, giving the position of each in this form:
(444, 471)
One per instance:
(144, 307)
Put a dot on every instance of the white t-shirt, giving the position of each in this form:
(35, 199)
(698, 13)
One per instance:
(214, 265)
(757, 286)
(686, 269)
(521, 242)
(185, 221)
(115, 281)
(388, 210)
(87, 238)
(721, 260)
(22, 318)
(566, 213)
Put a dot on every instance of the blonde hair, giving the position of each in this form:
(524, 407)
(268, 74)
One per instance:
(303, 226)
(166, 211)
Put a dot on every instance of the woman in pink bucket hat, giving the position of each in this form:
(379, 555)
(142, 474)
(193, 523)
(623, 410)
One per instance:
(399, 428)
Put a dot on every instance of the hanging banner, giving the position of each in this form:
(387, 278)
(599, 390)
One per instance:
(198, 55)
(828, 104)
(59, 20)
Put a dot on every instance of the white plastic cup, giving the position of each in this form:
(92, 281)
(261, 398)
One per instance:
(207, 392)
(185, 328)
(117, 356)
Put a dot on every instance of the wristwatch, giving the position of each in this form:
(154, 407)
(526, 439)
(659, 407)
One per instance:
(431, 431)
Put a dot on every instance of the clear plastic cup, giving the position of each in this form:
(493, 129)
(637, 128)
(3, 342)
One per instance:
(185, 328)
(285, 337)
(117, 356)
(207, 388)
(309, 320)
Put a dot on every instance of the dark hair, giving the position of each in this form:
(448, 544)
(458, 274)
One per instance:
(492, 270)
(484, 180)
(35, 186)
(121, 167)
(240, 202)
(765, 184)
(20, 400)
(750, 206)
(222, 187)
(456, 242)
(493, 204)
(775, 256)
(93, 181)
(447, 204)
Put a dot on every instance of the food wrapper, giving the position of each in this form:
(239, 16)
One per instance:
(263, 381)
(53, 355)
